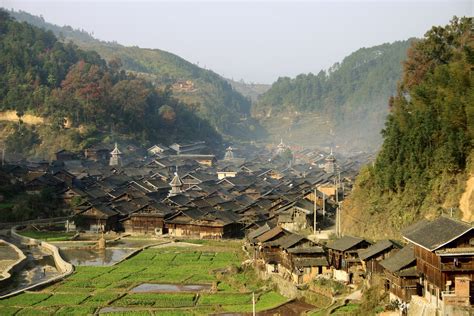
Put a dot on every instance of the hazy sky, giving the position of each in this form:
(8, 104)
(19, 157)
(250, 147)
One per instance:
(254, 41)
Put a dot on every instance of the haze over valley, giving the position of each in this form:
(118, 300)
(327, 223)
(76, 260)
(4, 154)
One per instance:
(236, 158)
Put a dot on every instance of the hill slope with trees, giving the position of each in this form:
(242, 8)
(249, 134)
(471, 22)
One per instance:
(427, 152)
(211, 96)
(351, 97)
(83, 99)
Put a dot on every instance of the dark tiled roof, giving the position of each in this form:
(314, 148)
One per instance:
(259, 231)
(374, 250)
(226, 216)
(344, 243)
(310, 250)
(399, 260)
(286, 241)
(270, 234)
(408, 272)
(229, 205)
(311, 262)
(179, 199)
(433, 235)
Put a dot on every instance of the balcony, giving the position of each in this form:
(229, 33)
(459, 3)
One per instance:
(459, 266)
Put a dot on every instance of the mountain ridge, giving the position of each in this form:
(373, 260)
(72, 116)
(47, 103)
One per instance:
(211, 96)
(427, 156)
(82, 99)
(350, 96)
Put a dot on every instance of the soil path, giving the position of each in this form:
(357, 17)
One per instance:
(11, 116)
(466, 204)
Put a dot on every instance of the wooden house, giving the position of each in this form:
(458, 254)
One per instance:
(227, 172)
(297, 215)
(63, 155)
(148, 220)
(196, 223)
(192, 148)
(399, 271)
(67, 177)
(444, 251)
(251, 241)
(157, 149)
(97, 153)
(274, 254)
(96, 218)
(196, 177)
(344, 257)
(308, 262)
(270, 255)
(290, 255)
(44, 181)
(372, 256)
(18, 172)
(69, 194)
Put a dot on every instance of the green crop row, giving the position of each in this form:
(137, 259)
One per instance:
(63, 300)
(157, 300)
(25, 299)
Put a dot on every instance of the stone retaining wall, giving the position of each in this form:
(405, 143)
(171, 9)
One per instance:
(23, 239)
(285, 288)
(61, 265)
(14, 267)
(64, 267)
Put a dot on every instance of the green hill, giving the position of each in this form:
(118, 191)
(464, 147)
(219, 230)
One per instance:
(427, 153)
(211, 96)
(348, 102)
(81, 99)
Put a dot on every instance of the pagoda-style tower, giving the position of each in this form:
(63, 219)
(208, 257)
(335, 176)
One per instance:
(229, 154)
(176, 185)
(115, 157)
(330, 165)
(281, 147)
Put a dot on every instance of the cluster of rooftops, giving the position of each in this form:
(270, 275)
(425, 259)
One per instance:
(185, 190)
(434, 260)
(181, 183)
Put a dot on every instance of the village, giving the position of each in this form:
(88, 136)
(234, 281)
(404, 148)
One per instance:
(284, 203)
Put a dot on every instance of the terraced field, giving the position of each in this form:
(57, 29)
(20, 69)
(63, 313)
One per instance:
(109, 289)
(8, 256)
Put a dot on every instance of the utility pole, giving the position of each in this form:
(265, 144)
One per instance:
(315, 208)
(324, 204)
(253, 304)
(339, 211)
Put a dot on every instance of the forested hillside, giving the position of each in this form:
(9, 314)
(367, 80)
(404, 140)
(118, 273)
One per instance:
(83, 99)
(351, 96)
(210, 95)
(427, 153)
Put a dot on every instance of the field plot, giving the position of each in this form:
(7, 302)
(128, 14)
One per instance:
(216, 265)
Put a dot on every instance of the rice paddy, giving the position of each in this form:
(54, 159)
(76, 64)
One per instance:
(110, 289)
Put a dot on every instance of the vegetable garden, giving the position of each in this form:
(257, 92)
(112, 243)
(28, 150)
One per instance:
(109, 289)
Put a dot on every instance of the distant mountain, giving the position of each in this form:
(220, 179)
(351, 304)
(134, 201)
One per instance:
(426, 164)
(348, 102)
(211, 96)
(74, 99)
(250, 90)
